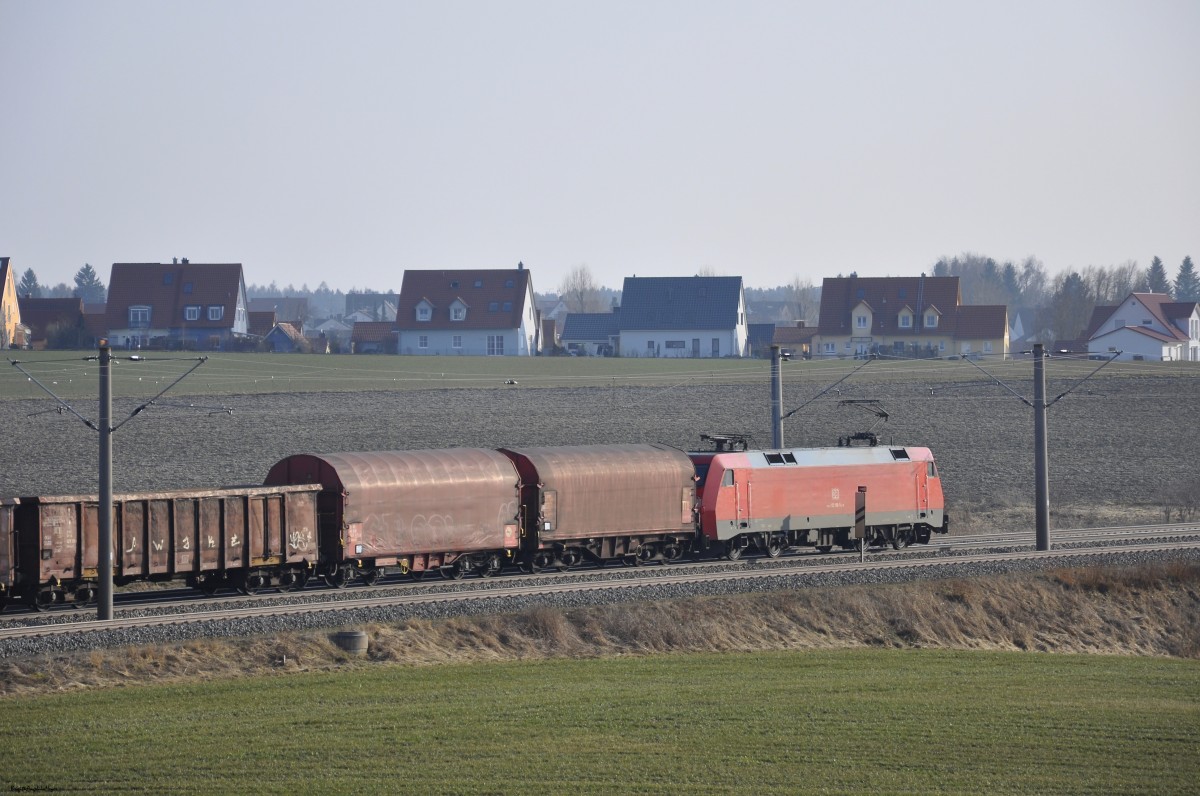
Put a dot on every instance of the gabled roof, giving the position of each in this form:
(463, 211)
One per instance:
(1145, 331)
(495, 298)
(167, 288)
(285, 308)
(5, 272)
(1160, 306)
(372, 331)
(981, 322)
(581, 327)
(260, 322)
(681, 302)
(887, 296)
(41, 313)
(794, 335)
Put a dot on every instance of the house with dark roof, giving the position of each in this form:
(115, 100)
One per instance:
(373, 337)
(591, 334)
(920, 316)
(292, 310)
(1146, 326)
(468, 312)
(683, 316)
(177, 304)
(795, 341)
(12, 332)
(285, 338)
(55, 323)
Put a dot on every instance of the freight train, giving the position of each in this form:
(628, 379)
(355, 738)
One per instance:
(352, 517)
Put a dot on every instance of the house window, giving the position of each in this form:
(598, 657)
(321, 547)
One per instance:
(931, 320)
(495, 345)
(187, 287)
(649, 345)
(987, 346)
(458, 313)
(830, 348)
(457, 342)
(139, 317)
(941, 345)
(478, 283)
(906, 321)
(508, 283)
(424, 313)
(423, 341)
(508, 306)
(191, 312)
(860, 321)
(216, 312)
(1147, 322)
(168, 278)
(493, 306)
(675, 344)
(453, 283)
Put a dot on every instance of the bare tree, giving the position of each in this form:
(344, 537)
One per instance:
(806, 298)
(579, 290)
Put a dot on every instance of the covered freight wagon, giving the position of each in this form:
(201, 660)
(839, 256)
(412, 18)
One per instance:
(603, 502)
(7, 549)
(453, 510)
(776, 499)
(245, 537)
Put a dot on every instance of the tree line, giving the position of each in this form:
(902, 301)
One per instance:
(87, 287)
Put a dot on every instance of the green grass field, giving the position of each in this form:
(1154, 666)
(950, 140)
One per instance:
(71, 374)
(799, 722)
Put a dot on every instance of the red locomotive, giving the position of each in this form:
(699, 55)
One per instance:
(460, 511)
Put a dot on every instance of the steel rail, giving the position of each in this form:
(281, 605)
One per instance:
(748, 572)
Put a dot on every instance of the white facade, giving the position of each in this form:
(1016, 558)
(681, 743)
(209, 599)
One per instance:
(521, 341)
(1140, 333)
(684, 343)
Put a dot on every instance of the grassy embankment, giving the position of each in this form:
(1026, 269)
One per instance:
(778, 693)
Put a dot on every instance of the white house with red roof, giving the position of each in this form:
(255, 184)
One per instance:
(166, 304)
(1147, 326)
(468, 312)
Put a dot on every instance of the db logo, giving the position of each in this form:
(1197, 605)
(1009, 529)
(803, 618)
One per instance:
(836, 494)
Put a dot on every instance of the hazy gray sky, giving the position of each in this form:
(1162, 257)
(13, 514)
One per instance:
(347, 141)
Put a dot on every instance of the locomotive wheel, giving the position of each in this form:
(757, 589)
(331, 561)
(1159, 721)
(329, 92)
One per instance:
(732, 551)
(774, 547)
(371, 576)
(901, 540)
(824, 548)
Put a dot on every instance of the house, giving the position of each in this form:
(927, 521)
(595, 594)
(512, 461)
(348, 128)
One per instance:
(371, 306)
(759, 337)
(373, 337)
(286, 309)
(469, 312)
(55, 323)
(591, 333)
(12, 332)
(1146, 326)
(260, 322)
(683, 316)
(795, 340)
(329, 335)
(167, 305)
(920, 316)
(554, 309)
(286, 338)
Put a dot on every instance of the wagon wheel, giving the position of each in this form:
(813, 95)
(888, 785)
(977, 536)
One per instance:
(417, 574)
(774, 547)
(41, 600)
(3, 601)
(371, 576)
(455, 571)
(732, 551)
(492, 567)
(824, 548)
(339, 578)
(208, 587)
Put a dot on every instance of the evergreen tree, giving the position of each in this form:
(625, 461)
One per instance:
(29, 286)
(1187, 284)
(1156, 277)
(88, 286)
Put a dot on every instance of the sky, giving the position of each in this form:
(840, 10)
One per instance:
(344, 142)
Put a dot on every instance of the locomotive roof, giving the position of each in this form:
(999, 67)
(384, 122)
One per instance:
(831, 457)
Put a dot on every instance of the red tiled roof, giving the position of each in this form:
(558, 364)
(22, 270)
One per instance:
(981, 322)
(495, 299)
(167, 288)
(40, 313)
(793, 335)
(372, 331)
(887, 296)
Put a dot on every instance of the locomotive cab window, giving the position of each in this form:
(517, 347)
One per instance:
(727, 478)
(931, 470)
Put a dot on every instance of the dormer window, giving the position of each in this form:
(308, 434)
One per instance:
(424, 311)
(860, 321)
(191, 312)
(905, 321)
(931, 320)
(216, 312)
(458, 312)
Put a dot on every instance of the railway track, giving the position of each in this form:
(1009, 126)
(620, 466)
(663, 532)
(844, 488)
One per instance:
(331, 608)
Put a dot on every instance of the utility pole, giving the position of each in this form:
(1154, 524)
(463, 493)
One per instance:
(104, 566)
(776, 400)
(1041, 453)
